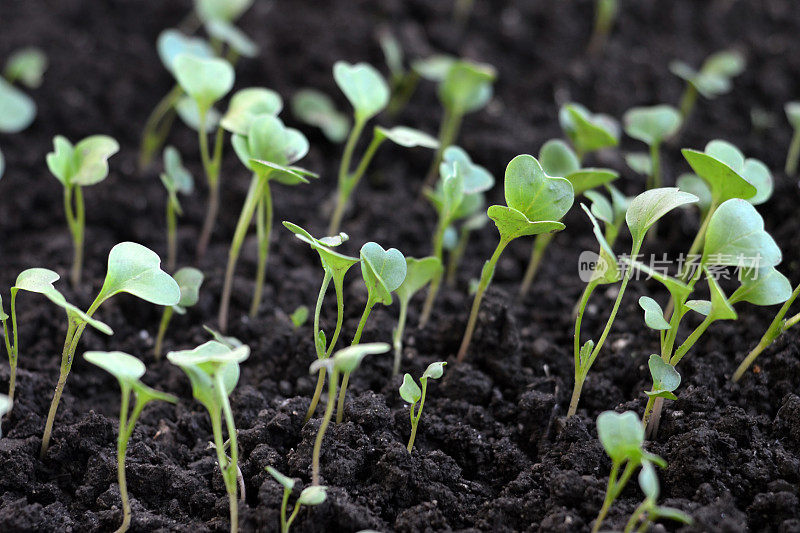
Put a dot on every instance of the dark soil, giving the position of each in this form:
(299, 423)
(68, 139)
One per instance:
(494, 451)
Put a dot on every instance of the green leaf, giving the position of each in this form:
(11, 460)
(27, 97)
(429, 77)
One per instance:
(434, 371)
(3, 315)
(647, 208)
(476, 178)
(189, 113)
(284, 175)
(652, 125)
(316, 108)
(622, 435)
(407, 137)
(135, 269)
(720, 307)
(653, 314)
(419, 272)
(126, 368)
(512, 223)
(665, 377)
(84, 164)
(26, 65)
(364, 87)
(758, 174)
(313, 495)
(694, 184)
(392, 52)
(558, 159)
(793, 114)
(171, 43)
(230, 342)
(601, 208)
(677, 289)
(409, 390)
(467, 86)
(606, 269)
(589, 178)
(204, 363)
(383, 271)
(235, 38)
(736, 237)
(725, 183)
(762, 286)
(299, 316)
(206, 80)
(648, 481)
(533, 193)
(226, 10)
(40, 280)
(714, 77)
(269, 140)
(285, 481)
(189, 281)
(176, 178)
(433, 68)
(671, 514)
(588, 132)
(337, 264)
(348, 359)
(640, 162)
(246, 105)
(17, 110)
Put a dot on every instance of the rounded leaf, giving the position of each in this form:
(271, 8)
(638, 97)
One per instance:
(653, 314)
(270, 140)
(135, 269)
(408, 137)
(513, 224)
(762, 286)
(209, 352)
(126, 368)
(606, 269)
(364, 87)
(348, 359)
(664, 375)
(176, 177)
(639, 162)
(622, 435)
(189, 112)
(409, 390)
(189, 280)
(736, 237)
(535, 194)
(26, 65)
(588, 178)
(793, 114)
(316, 108)
(17, 110)
(475, 177)
(467, 86)
(725, 183)
(331, 260)
(558, 159)
(246, 105)
(383, 270)
(419, 272)
(588, 132)
(235, 38)
(758, 174)
(433, 68)
(648, 481)
(171, 43)
(694, 184)
(652, 125)
(206, 80)
(647, 208)
(313, 495)
(434, 370)
(227, 10)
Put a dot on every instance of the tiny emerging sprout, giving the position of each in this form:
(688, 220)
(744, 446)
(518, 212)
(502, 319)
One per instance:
(345, 360)
(712, 80)
(652, 125)
(419, 272)
(605, 13)
(535, 204)
(649, 511)
(27, 66)
(384, 272)
(412, 394)
(368, 93)
(213, 369)
(335, 267)
(189, 280)
(177, 180)
(299, 317)
(587, 131)
(78, 166)
(793, 114)
(316, 108)
(132, 268)
(128, 370)
(313, 495)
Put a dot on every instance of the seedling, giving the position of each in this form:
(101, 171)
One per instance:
(411, 393)
(335, 267)
(605, 13)
(368, 93)
(205, 81)
(316, 108)
(622, 437)
(127, 369)
(189, 280)
(611, 212)
(345, 360)
(384, 272)
(177, 180)
(419, 272)
(643, 212)
(712, 80)
(213, 369)
(793, 114)
(133, 269)
(558, 159)
(587, 131)
(458, 194)
(313, 495)
(78, 166)
(652, 125)
(649, 511)
(535, 202)
(299, 316)
(268, 149)
(402, 82)
(26, 66)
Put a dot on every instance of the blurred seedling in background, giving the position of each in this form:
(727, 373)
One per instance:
(793, 114)
(177, 180)
(473, 223)
(651, 125)
(587, 132)
(402, 81)
(189, 280)
(316, 108)
(128, 370)
(419, 272)
(649, 511)
(310, 496)
(610, 211)
(411, 393)
(714, 78)
(78, 166)
(299, 316)
(605, 14)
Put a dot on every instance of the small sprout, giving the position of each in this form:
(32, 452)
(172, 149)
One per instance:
(189, 280)
(588, 132)
(605, 13)
(83, 164)
(712, 80)
(419, 272)
(268, 150)
(26, 65)
(411, 393)
(247, 105)
(793, 114)
(535, 202)
(653, 314)
(313, 495)
(177, 180)
(132, 268)
(316, 108)
(649, 511)
(213, 369)
(345, 360)
(127, 369)
(652, 125)
(299, 317)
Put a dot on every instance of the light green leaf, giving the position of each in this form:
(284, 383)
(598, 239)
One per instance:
(665, 377)
(409, 390)
(284, 175)
(558, 159)
(433, 68)
(758, 174)
(235, 38)
(536, 195)
(230, 342)
(206, 80)
(407, 137)
(189, 281)
(588, 132)
(702, 307)
(190, 115)
(26, 65)
(476, 178)
(226, 10)
(622, 435)
(17, 110)
(671, 514)
(383, 271)
(720, 307)
(762, 286)
(648, 481)
(126, 368)
(269, 140)
(316, 108)
(313, 495)
(588, 178)
(84, 164)
(647, 208)
(725, 183)
(694, 184)
(652, 125)
(204, 363)
(434, 371)
(606, 270)
(640, 162)
(601, 208)
(363, 86)
(3, 315)
(285, 481)
(246, 105)
(176, 177)
(467, 86)
(419, 272)
(793, 114)
(736, 237)
(392, 52)
(513, 224)
(299, 316)
(171, 43)
(653, 314)
(135, 269)
(348, 359)
(336, 263)
(677, 289)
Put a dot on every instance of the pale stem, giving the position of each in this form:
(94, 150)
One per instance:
(162, 330)
(154, 132)
(356, 340)
(333, 382)
(172, 237)
(433, 289)
(540, 244)
(398, 336)
(344, 174)
(264, 229)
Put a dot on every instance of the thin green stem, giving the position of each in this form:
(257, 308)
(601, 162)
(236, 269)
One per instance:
(356, 340)
(172, 236)
(637, 514)
(162, 330)
(284, 503)
(122, 447)
(333, 382)
(456, 255)
(448, 131)
(211, 167)
(230, 471)
(344, 174)
(264, 228)
(614, 489)
(398, 336)
(690, 341)
(648, 409)
(540, 244)
(433, 288)
(580, 373)
(793, 155)
(321, 353)
(655, 161)
(688, 101)
(157, 126)
(293, 516)
(416, 416)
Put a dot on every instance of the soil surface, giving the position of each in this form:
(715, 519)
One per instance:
(494, 451)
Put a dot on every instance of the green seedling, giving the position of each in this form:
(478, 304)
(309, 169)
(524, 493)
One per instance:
(622, 437)
(213, 369)
(335, 267)
(222, 10)
(205, 81)
(458, 194)
(384, 272)
(558, 159)
(605, 13)
(793, 114)
(316, 108)
(368, 93)
(225, 32)
(465, 87)
(26, 66)
(535, 202)
(649, 511)
(299, 316)
(411, 393)
(78, 166)
(402, 81)
(177, 180)
(268, 150)
(611, 212)
(712, 80)
(313, 495)
(5, 407)
(419, 272)
(133, 269)
(652, 125)
(587, 131)
(473, 223)
(128, 370)
(344, 361)
(189, 280)
(642, 213)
